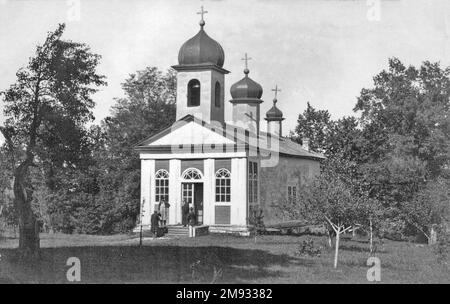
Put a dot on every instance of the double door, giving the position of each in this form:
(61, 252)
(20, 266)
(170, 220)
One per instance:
(192, 193)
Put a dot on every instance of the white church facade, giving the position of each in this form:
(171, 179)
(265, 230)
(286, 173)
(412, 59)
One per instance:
(223, 169)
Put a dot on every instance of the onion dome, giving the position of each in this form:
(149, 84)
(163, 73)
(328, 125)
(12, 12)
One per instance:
(246, 89)
(201, 49)
(274, 114)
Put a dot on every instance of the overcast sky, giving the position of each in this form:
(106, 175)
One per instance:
(322, 51)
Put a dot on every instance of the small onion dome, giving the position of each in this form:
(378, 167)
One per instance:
(274, 114)
(201, 49)
(246, 89)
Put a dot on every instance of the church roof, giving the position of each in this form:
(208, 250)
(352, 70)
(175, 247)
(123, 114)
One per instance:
(201, 49)
(246, 88)
(274, 114)
(160, 141)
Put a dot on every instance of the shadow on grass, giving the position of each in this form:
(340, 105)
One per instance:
(148, 264)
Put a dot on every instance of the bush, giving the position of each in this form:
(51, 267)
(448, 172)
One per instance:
(308, 248)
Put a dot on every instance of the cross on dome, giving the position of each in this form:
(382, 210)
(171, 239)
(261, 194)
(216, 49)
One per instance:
(202, 13)
(276, 90)
(246, 59)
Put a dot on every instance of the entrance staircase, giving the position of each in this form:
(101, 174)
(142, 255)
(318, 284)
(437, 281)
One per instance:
(177, 231)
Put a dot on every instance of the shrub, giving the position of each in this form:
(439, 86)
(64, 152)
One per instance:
(308, 248)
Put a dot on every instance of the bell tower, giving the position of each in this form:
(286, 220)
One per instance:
(246, 99)
(201, 77)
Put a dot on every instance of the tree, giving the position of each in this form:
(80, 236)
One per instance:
(46, 111)
(314, 125)
(148, 107)
(429, 210)
(408, 109)
(329, 200)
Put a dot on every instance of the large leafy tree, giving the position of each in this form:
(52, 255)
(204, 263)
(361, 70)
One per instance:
(148, 107)
(315, 125)
(408, 111)
(46, 110)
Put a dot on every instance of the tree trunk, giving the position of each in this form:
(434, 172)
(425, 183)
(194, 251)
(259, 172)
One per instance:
(28, 226)
(336, 250)
(433, 236)
(330, 244)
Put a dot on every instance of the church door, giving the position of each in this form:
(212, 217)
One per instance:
(192, 193)
(198, 202)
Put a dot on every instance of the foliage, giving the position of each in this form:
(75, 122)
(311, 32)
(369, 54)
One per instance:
(46, 112)
(308, 248)
(314, 125)
(256, 221)
(398, 146)
(430, 207)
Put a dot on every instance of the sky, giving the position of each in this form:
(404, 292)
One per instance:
(321, 51)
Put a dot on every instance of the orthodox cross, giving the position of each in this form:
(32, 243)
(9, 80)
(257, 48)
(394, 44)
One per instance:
(246, 59)
(202, 12)
(276, 90)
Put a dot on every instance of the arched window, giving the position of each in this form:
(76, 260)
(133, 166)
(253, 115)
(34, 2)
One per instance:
(192, 174)
(223, 185)
(193, 93)
(217, 95)
(162, 185)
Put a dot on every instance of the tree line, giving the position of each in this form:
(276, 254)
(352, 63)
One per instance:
(63, 172)
(388, 166)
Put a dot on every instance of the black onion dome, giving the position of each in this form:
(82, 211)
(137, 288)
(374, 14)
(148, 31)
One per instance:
(274, 113)
(201, 49)
(246, 88)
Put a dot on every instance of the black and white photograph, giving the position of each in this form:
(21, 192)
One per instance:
(244, 144)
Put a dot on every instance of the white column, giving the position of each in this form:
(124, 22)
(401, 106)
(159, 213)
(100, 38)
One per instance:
(239, 191)
(174, 192)
(209, 192)
(147, 179)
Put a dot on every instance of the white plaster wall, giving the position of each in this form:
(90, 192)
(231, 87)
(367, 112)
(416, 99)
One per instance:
(274, 127)
(147, 176)
(204, 110)
(238, 191)
(208, 191)
(175, 216)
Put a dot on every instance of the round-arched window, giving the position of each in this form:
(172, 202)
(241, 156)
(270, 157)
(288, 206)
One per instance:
(162, 185)
(223, 186)
(192, 174)
(193, 93)
(217, 95)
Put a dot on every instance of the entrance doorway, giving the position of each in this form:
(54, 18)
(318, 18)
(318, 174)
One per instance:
(192, 193)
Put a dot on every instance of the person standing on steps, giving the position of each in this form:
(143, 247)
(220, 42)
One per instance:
(154, 221)
(185, 212)
(163, 208)
(191, 221)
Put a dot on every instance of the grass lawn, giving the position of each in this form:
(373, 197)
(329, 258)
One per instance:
(273, 259)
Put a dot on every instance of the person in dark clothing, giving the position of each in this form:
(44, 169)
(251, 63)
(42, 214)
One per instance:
(191, 221)
(185, 212)
(154, 221)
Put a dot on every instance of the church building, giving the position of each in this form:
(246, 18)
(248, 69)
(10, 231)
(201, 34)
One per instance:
(223, 169)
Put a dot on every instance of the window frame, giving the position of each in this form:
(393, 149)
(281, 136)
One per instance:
(223, 186)
(161, 185)
(217, 95)
(190, 97)
(292, 193)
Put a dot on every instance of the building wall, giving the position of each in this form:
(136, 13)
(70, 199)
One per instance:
(275, 180)
(235, 163)
(206, 110)
(247, 116)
